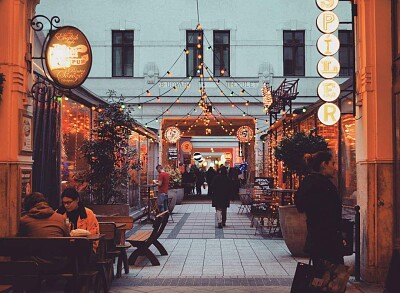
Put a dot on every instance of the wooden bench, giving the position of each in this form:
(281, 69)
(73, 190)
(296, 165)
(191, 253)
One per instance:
(144, 239)
(24, 273)
(121, 246)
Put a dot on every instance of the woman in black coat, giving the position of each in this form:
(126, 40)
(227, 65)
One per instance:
(318, 197)
(221, 194)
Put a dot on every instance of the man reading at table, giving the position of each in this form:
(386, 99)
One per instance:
(162, 183)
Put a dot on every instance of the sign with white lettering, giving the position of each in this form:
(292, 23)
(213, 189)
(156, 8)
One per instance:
(329, 114)
(68, 57)
(264, 183)
(173, 153)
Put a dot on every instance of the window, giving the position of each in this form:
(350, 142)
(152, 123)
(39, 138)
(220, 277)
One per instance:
(221, 53)
(293, 53)
(194, 44)
(122, 53)
(346, 53)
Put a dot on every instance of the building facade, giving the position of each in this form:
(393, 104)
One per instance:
(150, 52)
(161, 31)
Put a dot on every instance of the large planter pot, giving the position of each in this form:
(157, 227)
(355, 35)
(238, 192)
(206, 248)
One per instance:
(178, 193)
(172, 203)
(294, 229)
(110, 209)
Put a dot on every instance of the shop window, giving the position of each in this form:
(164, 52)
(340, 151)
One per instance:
(221, 53)
(293, 53)
(75, 128)
(346, 53)
(308, 124)
(194, 47)
(347, 173)
(122, 53)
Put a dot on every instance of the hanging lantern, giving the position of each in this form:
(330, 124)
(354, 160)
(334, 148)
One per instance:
(244, 134)
(197, 156)
(172, 134)
(267, 95)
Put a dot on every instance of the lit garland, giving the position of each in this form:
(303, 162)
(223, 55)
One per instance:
(267, 96)
(172, 134)
(244, 134)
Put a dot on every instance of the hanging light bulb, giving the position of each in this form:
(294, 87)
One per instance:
(169, 73)
(199, 46)
(222, 71)
(186, 51)
(148, 92)
(247, 103)
(139, 106)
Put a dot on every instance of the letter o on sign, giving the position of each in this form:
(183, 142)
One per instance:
(329, 114)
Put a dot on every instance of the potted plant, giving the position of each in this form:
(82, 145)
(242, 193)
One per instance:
(175, 189)
(109, 154)
(291, 151)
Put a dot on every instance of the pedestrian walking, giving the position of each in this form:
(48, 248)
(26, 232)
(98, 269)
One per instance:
(221, 194)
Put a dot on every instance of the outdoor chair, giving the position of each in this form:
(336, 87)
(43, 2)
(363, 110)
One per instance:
(245, 203)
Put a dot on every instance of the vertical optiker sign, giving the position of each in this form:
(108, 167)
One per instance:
(328, 66)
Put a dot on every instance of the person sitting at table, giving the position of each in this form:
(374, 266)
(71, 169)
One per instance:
(79, 216)
(42, 221)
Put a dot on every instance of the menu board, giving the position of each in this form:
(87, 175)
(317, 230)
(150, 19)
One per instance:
(264, 183)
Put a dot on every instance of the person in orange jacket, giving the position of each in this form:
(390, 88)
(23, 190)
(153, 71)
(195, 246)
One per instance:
(78, 215)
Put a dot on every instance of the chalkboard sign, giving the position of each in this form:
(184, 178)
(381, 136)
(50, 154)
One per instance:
(264, 183)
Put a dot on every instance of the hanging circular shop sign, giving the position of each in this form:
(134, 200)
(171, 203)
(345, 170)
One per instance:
(328, 44)
(327, 4)
(327, 22)
(328, 113)
(172, 134)
(186, 147)
(244, 134)
(328, 67)
(328, 90)
(68, 57)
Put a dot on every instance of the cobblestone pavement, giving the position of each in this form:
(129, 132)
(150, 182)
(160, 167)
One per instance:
(203, 258)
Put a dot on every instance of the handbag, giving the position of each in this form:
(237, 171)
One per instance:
(326, 277)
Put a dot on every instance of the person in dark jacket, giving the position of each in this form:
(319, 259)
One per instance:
(199, 180)
(210, 174)
(221, 194)
(42, 221)
(318, 197)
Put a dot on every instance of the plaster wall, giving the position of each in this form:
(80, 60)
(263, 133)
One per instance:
(374, 137)
(15, 37)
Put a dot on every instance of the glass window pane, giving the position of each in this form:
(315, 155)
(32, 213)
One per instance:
(128, 38)
(117, 38)
(117, 61)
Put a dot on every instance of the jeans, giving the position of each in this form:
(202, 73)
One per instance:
(162, 202)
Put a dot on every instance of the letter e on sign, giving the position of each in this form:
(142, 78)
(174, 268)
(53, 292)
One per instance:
(329, 114)
(328, 90)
